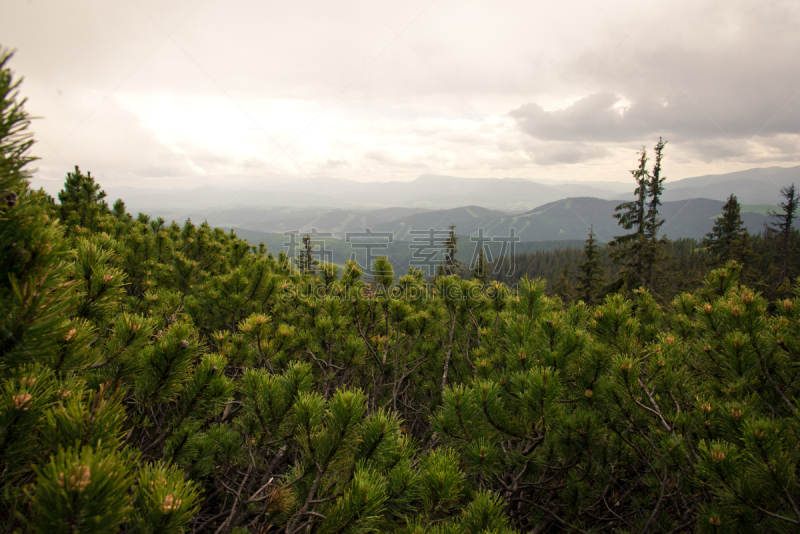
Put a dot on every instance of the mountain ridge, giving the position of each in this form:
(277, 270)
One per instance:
(565, 219)
(435, 191)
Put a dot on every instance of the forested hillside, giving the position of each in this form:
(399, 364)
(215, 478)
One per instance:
(687, 264)
(164, 378)
(564, 219)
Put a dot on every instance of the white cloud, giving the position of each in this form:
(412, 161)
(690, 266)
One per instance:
(508, 89)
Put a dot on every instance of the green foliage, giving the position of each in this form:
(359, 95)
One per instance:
(81, 200)
(628, 248)
(640, 253)
(786, 217)
(728, 239)
(83, 490)
(480, 273)
(68, 349)
(306, 262)
(591, 277)
(450, 265)
(164, 500)
(164, 378)
(15, 141)
(383, 272)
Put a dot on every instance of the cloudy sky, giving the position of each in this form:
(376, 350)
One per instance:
(148, 93)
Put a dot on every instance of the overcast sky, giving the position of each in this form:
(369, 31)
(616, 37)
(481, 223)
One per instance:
(151, 93)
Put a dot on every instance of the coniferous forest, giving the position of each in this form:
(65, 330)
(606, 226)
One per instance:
(159, 378)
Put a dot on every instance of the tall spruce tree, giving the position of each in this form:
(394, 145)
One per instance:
(480, 273)
(563, 287)
(654, 249)
(783, 226)
(627, 249)
(592, 275)
(450, 266)
(306, 262)
(640, 252)
(729, 239)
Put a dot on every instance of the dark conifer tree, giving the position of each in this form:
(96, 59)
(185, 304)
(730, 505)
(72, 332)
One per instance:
(119, 210)
(563, 287)
(592, 274)
(480, 273)
(627, 250)
(728, 239)
(81, 199)
(306, 262)
(783, 226)
(640, 252)
(450, 265)
(383, 272)
(654, 249)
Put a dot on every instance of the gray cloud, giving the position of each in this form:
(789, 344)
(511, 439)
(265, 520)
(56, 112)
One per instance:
(715, 79)
(598, 117)
(592, 118)
(556, 153)
(719, 82)
(781, 148)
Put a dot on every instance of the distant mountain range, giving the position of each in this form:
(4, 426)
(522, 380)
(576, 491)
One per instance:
(559, 212)
(566, 219)
(571, 218)
(435, 192)
(753, 186)
(561, 224)
(429, 191)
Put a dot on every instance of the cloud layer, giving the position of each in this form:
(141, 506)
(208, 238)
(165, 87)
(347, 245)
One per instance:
(718, 81)
(194, 93)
